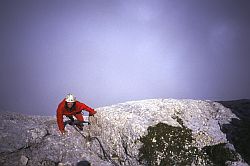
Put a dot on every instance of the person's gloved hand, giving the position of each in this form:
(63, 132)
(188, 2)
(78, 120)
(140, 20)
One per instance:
(93, 113)
(64, 132)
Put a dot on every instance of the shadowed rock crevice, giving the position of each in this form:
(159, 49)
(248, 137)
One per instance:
(238, 131)
(220, 154)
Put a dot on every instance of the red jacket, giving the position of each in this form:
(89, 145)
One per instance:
(62, 110)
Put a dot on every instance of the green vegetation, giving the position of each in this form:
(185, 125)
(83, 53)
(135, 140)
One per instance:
(167, 145)
(219, 154)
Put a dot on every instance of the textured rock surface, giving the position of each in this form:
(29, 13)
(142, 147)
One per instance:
(238, 132)
(35, 140)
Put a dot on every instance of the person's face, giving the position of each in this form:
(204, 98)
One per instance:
(69, 104)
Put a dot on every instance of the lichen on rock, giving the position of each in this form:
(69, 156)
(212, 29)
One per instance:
(169, 145)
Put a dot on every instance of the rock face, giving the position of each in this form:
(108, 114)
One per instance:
(238, 131)
(148, 132)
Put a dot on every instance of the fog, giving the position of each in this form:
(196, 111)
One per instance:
(108, 52)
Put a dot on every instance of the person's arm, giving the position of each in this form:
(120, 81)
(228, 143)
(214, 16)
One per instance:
(59, 116)
(87, 108)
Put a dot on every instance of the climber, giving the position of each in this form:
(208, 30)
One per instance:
(71, 107)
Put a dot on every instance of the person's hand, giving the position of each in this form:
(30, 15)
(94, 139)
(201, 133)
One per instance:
(93, 113)
(64, 132)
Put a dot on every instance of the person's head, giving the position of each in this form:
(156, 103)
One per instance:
(70, 100)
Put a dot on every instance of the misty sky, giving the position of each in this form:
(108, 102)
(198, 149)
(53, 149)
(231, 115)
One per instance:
(112, 51)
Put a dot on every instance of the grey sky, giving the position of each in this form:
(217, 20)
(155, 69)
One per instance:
(106, 52)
